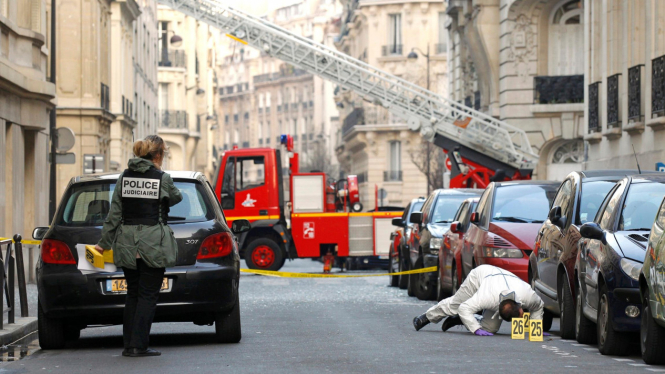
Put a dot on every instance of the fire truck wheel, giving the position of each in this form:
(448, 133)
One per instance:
(264, 254)
(357, 207)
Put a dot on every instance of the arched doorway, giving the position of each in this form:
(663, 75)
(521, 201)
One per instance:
(565, 157)
(566, 39)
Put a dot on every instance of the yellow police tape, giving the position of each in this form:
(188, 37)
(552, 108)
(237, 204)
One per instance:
(285, 274)
(33, 242)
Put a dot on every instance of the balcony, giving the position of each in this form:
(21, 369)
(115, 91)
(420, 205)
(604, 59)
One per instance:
(355, 118)
(392, 176)
(635, 93)
(391, 50)
(561, 89)
(174, 119)
(594, 118)
(173, 58)
(286, 73)
(658, 87)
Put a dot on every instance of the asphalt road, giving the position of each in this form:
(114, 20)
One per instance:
(322, 325)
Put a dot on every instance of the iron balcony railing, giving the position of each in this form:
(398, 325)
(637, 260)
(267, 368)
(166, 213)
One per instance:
(559, 89)
(355, 118)
(658, 86)
(392, 176)
(127, 107)
(286, 73)
(635, 93)
(613, 116)
(173, 58)
(391, 50)
(594, 117)
(174, 119)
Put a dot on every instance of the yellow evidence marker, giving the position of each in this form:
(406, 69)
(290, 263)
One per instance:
(527, 319)
(97, 259)
(517, 328)
(536, 327)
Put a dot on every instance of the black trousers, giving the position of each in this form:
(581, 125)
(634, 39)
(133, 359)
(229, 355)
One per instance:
(143, 285)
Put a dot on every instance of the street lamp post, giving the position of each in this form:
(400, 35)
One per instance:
(414, 56)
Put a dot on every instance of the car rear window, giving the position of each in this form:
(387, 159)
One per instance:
(88, 204)
(446, 207)
(523, 203)
(593, 194)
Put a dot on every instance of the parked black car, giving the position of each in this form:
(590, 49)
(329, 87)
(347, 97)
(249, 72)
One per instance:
(551, 265)
(399, 244)
(201, 288)
(427, 236)
(609, 262)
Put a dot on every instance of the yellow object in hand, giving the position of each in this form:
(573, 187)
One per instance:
(97, 259)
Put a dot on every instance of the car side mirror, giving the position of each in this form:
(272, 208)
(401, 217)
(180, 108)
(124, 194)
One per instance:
(39, 232)
(416, 217)
(398, 222)
(475, 217)
(592, 230)
(454, 227)
(240, 225)
(555, 216)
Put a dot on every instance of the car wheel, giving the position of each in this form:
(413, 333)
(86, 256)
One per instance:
(72, 333)
(547, 320)
(264, 254)
(227, 324)
(394, 279)
(51, 331)
(425, 290)
(403, 281)
(585, 330)
(567, 308)
(610, 342)
(652, 337)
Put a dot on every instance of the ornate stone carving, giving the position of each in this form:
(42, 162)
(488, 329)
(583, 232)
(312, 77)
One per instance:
(569, 152)
(522, 45)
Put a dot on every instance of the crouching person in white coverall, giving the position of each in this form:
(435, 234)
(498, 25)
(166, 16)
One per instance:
(488, 290)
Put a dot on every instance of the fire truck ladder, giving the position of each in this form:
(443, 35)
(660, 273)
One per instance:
(450, 125)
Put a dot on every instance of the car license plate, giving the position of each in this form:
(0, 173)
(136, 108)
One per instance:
(120, 285)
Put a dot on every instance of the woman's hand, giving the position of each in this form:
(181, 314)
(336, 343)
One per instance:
(99, 249)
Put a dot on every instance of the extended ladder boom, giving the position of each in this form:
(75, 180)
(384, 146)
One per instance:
(438, 119)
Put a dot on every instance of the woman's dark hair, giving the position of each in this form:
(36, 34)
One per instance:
(150, 147)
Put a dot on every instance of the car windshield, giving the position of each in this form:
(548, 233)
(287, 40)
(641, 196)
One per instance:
(641, 205)
(446, 207)
(88, 204)
(523, 203)
(593, 194)
(417, 206)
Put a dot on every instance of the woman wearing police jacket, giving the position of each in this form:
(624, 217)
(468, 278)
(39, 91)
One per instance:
(143, 244)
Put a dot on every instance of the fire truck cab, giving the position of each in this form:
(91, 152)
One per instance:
(321, 216)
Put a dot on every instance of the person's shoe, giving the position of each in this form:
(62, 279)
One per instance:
(420, 322)
(125, 352)
(135, 352)
(451, 322)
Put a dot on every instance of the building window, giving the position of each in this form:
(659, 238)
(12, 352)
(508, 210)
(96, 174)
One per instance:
(566, 39)
(394, 172)
(442, 46)
(164, 96)
(395, 34)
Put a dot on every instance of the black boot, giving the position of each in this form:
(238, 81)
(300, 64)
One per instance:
(135, 352)
(420, 322)
(450, 322)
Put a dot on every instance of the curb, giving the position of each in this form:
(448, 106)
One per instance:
(15, 331)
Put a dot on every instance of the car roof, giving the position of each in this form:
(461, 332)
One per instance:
(646, 178)
(113, 176)
(528, 183)
(609, 175)
(459, 191)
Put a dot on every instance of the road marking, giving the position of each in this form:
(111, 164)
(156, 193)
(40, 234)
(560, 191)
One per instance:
(623, 359)
(590, 349)
(581, 345)
(657, 370)
(568, 341)
(638, 364)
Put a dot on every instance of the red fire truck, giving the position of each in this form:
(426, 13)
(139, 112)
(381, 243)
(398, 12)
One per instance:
(322, 216)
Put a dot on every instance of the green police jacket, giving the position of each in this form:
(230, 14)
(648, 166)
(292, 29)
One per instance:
(155, 244)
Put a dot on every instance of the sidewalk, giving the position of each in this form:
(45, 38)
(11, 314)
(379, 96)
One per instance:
(23, 326)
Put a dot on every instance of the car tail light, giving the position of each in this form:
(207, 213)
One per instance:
(218, 245)
(57, 252)
(498, 247)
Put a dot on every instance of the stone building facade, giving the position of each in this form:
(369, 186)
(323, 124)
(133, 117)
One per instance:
(25, 103)
(186, 89)
(261, 98)
(146, 54)
(372, 143)
(625, 83)
(522, 61)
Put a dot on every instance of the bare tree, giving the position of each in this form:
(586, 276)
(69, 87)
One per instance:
(318, 159)
(437, 163)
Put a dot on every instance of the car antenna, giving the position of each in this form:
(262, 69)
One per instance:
(636, 160)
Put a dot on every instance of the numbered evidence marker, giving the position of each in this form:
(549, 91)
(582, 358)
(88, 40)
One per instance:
(527, 319)
(517, 328)
(536, 327)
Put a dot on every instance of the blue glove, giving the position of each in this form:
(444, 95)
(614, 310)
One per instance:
(547, 334)
(481, 332)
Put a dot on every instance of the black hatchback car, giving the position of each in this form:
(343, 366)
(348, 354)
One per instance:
(551, 265)
(201, 288)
